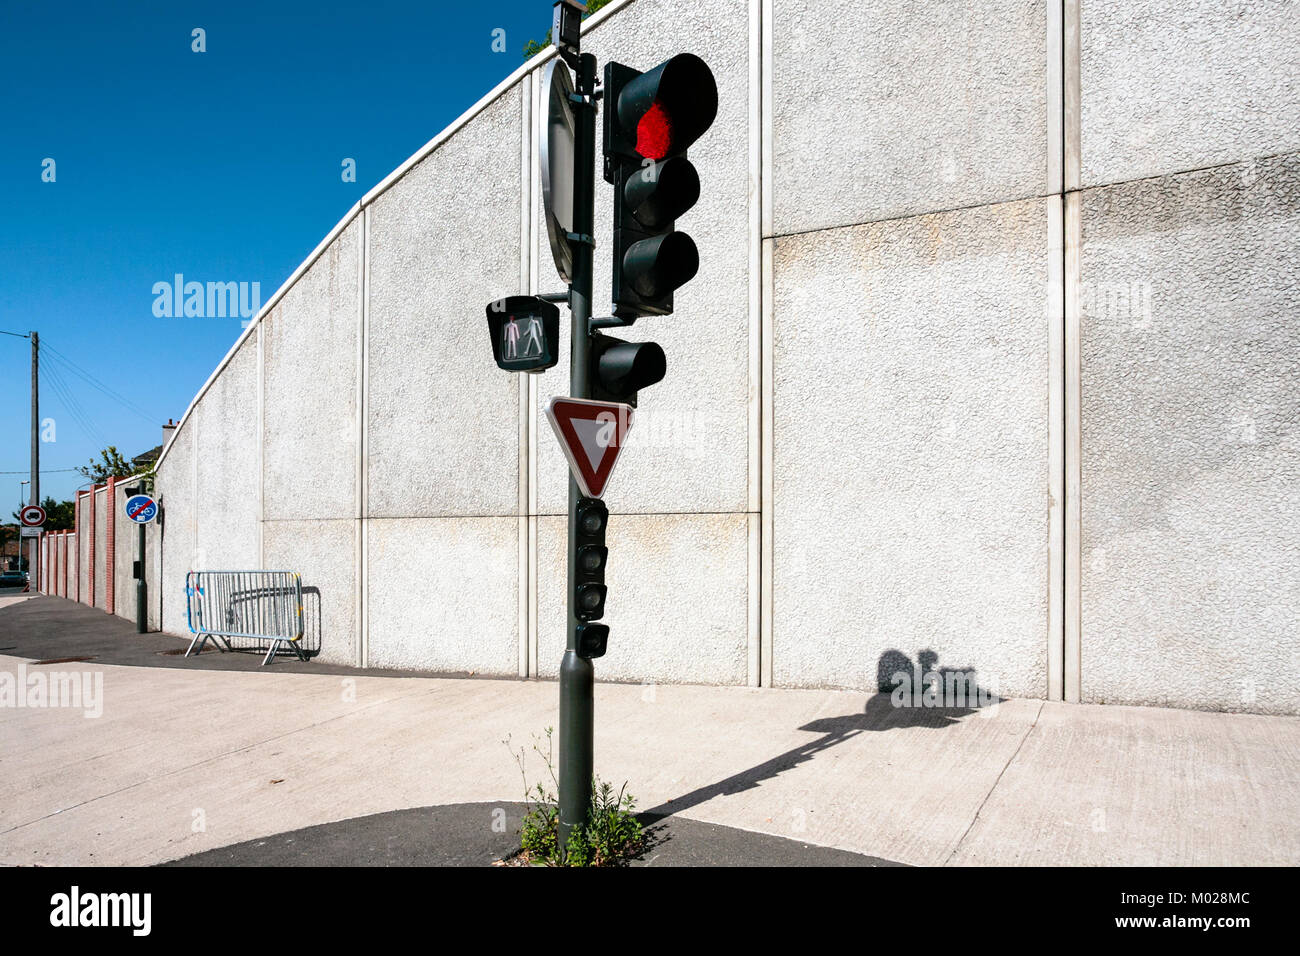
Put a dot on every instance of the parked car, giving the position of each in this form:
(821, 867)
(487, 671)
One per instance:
(12, 579)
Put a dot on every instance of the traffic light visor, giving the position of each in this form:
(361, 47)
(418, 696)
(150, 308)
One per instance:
(670, 106)
(657, 266)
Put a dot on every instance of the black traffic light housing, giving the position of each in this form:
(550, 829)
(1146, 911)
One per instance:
(589, 570)
(650, 120)
(525, 333)
(618, 369)
(592, 639)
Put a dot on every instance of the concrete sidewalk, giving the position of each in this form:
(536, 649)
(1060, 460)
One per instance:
(188, 759)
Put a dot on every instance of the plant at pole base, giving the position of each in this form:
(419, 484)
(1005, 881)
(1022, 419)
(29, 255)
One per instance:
(611, 836)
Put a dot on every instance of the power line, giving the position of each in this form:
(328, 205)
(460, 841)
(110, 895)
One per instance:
(44, 471)
(71, 405)
(91, 380)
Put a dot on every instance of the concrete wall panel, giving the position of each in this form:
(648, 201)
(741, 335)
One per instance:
(890, 108)
(910, 499)
(689, 449)
(124, 549)
(175, 482)
(226, 530)
(444, 593)
(678, 592)
(153, 565)
(103, 560)
(1171, 85)
(310, 382)
(324, 553)
(444, 242)
(1191, 457)
(84, 532)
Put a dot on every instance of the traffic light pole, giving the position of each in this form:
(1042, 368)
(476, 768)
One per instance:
(577, 674)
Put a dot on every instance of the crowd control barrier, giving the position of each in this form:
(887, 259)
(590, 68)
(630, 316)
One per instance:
(255, 605)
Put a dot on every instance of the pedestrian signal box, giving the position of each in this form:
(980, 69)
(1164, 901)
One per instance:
(525, 333)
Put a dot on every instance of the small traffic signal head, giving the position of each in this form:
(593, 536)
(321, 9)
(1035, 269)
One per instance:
(525, 333)
(589, 569)
(592, 639)
(619, 369)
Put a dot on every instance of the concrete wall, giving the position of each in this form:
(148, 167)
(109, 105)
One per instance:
(102, 557)
(987, 360)
(911, 473)
(442, 425)
(81, 592)
(125, 545)
(1186, 226)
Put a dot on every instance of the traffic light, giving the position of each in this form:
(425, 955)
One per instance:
(651, 119)
(592, 639)
(619, 368)
(589, 572)
(525, 333)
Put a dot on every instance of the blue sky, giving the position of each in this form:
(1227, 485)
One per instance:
(223, 166)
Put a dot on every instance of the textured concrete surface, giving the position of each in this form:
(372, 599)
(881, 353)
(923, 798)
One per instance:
(443, 419)
(123, 554)
(175, 482)
(102, 557)
(1024, 781)
(1168, 85)
(324, 553)
(226, 505)
(444, 594)
(910, 485)
(1092, 783)
(895, 108)
(81, 573)
(677, 599)
(689, 449)
(310, 389)
(1191, 394)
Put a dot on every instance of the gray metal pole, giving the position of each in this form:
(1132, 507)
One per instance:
(577, 675)
(141, 615)
(33, 563)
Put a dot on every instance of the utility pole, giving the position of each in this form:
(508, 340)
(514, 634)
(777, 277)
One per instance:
(32, 568)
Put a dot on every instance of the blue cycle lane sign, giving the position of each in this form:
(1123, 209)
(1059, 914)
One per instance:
(141, 509)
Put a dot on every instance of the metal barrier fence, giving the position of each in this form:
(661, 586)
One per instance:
(256, 605)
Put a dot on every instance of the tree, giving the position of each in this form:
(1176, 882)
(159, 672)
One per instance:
(111, 465)
(534, 47)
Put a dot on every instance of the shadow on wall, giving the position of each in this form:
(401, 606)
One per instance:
(911, 695)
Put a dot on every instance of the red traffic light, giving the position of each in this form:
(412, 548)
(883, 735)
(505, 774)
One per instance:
(654, 133)
(664, 110)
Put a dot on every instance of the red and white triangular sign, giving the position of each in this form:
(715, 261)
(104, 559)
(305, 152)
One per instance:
(591, 435)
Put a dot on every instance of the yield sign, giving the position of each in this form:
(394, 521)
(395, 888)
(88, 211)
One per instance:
(591, 435)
